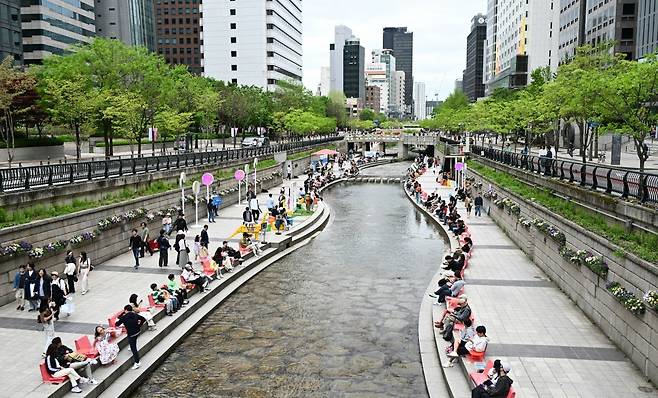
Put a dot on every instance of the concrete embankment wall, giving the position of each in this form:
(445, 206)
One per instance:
(635, 335)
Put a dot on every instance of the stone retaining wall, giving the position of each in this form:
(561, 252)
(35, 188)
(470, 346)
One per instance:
(34, 153)
(635, 335)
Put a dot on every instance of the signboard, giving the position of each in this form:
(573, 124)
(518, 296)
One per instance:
(196, 187)
(234, 132)
(207, 179)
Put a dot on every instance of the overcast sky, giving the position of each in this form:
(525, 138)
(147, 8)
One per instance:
(440, 28)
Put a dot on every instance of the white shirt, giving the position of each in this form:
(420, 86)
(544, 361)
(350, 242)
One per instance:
(69, 269)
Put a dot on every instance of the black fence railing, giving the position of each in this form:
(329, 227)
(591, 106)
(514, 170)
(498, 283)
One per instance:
(27, 177)
(609, 179)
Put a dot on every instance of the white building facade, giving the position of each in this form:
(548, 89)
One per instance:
(253, 42)
(341, 34)
(376, 76)
(420, 109)
(522, 35)
(397, 94)
(325, 81)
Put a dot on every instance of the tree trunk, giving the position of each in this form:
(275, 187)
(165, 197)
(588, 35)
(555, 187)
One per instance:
(139, 145)
(106, 138)
(77, 141)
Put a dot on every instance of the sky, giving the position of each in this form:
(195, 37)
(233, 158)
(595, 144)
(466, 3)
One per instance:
(440, 29)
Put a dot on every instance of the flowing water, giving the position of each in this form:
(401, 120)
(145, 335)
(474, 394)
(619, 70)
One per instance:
(336, 318)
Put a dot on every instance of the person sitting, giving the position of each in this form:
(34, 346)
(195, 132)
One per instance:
(54, 368)
(195, 278)
(451, 316)
(280, 219)
(246, 243)
(458, 227)
(470, 342)
(136, 303)
(108, 351)
(451, 263)
(174, 288)
(163, 297)
(451, 287)
(227, 250)
(68, 358)
(498, 383)
(468, 244)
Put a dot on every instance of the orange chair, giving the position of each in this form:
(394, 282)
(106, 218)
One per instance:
(83, 346)
(476, 356)
(47, 377)
(112, 321)
(153, 304)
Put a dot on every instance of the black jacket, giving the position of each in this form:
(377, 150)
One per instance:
(502, 387)
(179, 225)
(478, 201)
(132, 322)
(204, 236)
(136, 242)
(247, 216)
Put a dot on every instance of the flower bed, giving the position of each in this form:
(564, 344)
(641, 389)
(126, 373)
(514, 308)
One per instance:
(592, 261)
(626, 298)
(550, 231)
(651, 299)
(15, 248)
(512, 206)
(525, 222)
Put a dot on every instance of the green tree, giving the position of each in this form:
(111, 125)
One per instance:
(171, 123)
(367, 114)
(336, 108)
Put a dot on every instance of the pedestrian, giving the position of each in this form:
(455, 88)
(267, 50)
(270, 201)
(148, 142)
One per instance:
(145, 240)
(205, 239)
(197, 247)
(247, 217)
(47, 320)
(133, 324)
(211, 210)
(289, 170)
(478, 205)
(181, 248)
(135, 246)
(136, 303)
(84, 265)
(254, 206)
(270, 202)
(468, 203)
(31, 279)
(58, 293)
(165, 246)
(71, 272)
(43, 289)
(19, 287)
(166, 223)
(180, 224)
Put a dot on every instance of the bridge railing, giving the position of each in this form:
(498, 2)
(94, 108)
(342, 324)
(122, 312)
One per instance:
(609, 179)
(27, 177)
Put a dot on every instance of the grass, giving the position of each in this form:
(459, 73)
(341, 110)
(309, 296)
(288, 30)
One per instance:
(41, 212)
(640, 243)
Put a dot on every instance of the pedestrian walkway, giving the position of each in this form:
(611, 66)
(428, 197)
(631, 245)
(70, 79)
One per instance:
(111, 284)
(553, 349)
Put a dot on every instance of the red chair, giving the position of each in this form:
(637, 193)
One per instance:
(188, 286)
(153, 304)
(476, 356)
(112, 321)
(511, 393)
(460, 326)
(479, 378)
(83, 346)
(47, 377)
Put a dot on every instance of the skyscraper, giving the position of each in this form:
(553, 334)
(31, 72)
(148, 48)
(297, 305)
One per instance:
(402, 44)
(473, 85)
(10, 23)
(178, 34)
(49, 28)
(398, 90)
(419, 101)
(253, 42)
(647, 28)
(521, 37)
(325, 81)
(131, 21)
(376, 78)
(573, 14)
(616, 21)
(354, 69)
(341, 34)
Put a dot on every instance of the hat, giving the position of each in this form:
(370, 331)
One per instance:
(55, 273)
(505, 366)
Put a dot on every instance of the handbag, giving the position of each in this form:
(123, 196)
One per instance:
(447, 333)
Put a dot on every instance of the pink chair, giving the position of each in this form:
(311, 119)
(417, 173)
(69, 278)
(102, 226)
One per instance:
(83, 346)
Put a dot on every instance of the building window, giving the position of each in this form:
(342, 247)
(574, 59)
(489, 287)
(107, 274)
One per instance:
(234, 54)
(234, 68)
(232, 12)
(234, 81)
(234, 39)
(233, 25)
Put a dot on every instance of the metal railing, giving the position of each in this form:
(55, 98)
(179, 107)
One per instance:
(28, 177)
(609, 179)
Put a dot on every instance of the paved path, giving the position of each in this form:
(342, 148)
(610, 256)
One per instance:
(554, 350)
(111, 284)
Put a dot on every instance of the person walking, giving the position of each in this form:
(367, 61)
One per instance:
(254, 206)
(166, 223)
(478, 205)
(71, 271)
(58, 292)
(19, 287)
(133, 323)
(247, 217)
(211, 210)
(31, 279)
(43, 289)
(180, 224)
(468, 203)
(165, 246)
(47, 320)
(135, 246)
(289, 171)
(205, 239)
(84, 266)
(145, 240)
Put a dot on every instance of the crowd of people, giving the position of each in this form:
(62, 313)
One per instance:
(472, 340)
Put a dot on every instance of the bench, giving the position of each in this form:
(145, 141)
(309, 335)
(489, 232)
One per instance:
(48, 378)
(83, 346)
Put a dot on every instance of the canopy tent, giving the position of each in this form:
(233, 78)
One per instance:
(325, 152)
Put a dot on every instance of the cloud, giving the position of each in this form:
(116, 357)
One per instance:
(440, 29)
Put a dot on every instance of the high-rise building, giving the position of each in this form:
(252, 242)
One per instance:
(53, 27)
(179, 32)
(473, 85)
(419, 101)
(647, 28)
(614, 20)
(325, 81)
(402, 44)
(10, 27)
(430, 106)
(376, 77)
(521, 37)
(341, 34)
(459, 85)
(131, 21)
(398, 110)
(253, 42)
(354, 69)
(573, 14)
(373, 98)
(380, 72)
